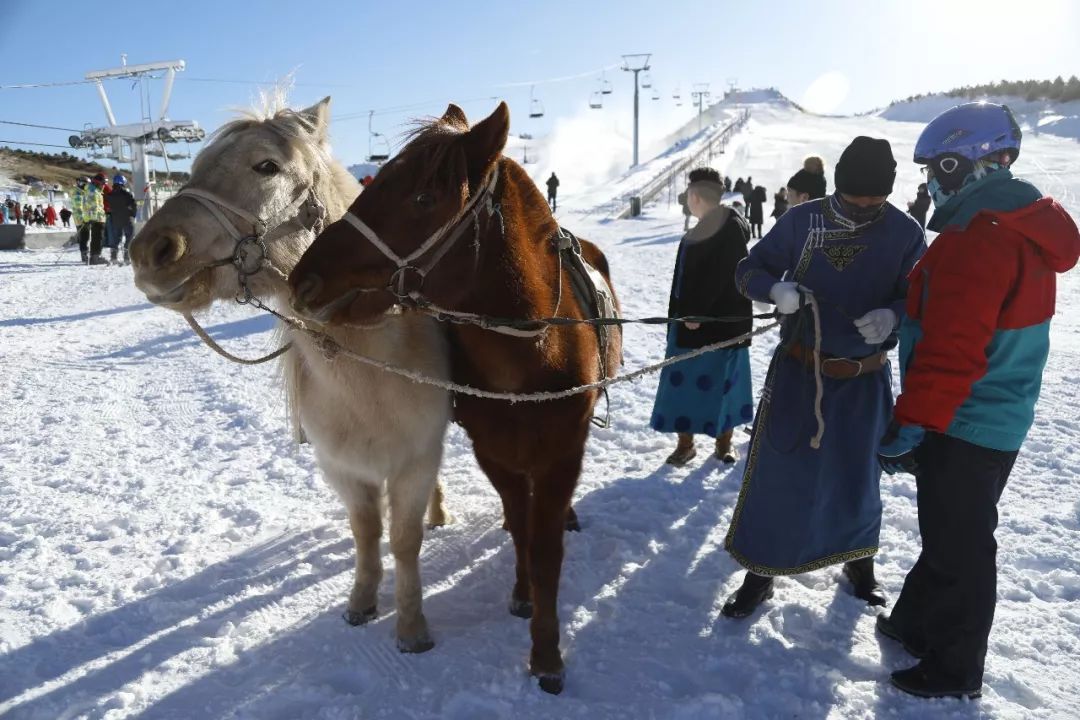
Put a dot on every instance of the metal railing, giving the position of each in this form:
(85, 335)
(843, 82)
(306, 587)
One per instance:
(667, 180)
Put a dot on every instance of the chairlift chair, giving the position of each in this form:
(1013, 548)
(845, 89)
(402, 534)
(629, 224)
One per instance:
(596, 101)
(655, 94)
(605, 86)
(378, 145)
(646, 80)
(536, 108)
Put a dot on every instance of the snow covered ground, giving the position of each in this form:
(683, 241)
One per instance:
(1036, 117)
(166, 552)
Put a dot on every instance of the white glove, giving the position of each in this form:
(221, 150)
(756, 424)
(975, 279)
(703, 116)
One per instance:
(786, 297)
(877, 325)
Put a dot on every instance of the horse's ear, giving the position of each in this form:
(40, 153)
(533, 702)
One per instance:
(455, 117)
(486, 140)
(319, 117)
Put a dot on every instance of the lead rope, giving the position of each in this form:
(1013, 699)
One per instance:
(815, 442)
(205, 337)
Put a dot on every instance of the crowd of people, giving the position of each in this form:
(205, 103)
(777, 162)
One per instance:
(104, 218)
(15, 213)
(104, 214)
(851, 278)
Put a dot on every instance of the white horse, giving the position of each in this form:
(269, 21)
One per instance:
(271, 175)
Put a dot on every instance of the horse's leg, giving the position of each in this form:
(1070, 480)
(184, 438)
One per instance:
(437, 514)
(409, 494)
(365, 518)
(552, 491)
(513, 488)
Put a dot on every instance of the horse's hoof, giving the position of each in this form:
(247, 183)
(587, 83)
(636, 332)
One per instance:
(521, 608)
(551, 683)
(440, 519)
(572, 524)
(360, 618)
(415, 645)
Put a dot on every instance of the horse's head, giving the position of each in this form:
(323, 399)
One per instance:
(412, 230)
(255, 171)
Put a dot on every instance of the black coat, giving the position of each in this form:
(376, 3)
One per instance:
(758, 197)
(705, 278)
(920, 207)
(780, 205)
(122, 207)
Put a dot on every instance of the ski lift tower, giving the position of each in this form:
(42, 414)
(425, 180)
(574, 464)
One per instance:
(636, 64)
(138, 135)
(700, 95)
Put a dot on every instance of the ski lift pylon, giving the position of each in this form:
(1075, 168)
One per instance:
(536, 108)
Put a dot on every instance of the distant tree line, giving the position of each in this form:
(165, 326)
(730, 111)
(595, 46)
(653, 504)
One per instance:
(68, 161)
(1058, 89)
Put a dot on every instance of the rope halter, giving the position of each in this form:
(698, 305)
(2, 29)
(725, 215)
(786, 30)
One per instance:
(438, 243)
(249, 254)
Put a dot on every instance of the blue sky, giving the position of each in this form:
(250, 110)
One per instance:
(378, 55)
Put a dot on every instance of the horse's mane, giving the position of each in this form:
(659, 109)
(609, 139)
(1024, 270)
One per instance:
(431, 139)
(295, 128)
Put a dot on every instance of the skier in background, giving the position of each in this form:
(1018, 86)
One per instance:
(553, 191)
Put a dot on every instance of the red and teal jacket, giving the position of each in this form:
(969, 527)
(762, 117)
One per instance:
(977, 332)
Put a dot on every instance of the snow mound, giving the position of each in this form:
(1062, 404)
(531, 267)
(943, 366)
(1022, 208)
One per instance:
(1036, 117)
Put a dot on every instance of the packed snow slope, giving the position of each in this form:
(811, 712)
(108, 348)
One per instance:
(1036, 117)
(167, 552)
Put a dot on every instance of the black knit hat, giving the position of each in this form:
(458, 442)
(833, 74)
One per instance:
(866, 168)
(811, 183)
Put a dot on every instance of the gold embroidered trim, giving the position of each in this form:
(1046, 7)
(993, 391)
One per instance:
(836, 559)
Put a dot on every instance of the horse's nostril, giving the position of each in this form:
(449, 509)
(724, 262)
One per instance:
(309, 288)
(166, 250)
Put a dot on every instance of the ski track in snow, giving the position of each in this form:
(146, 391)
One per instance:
(167, 552)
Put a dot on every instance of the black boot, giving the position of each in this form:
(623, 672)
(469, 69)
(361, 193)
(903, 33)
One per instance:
(864, 585)
(923, 682)
(886, 627)
(755, 589)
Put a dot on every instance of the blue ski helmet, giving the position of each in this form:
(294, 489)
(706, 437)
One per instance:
(970, 131)
(119, 180)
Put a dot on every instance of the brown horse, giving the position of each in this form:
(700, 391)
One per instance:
(452, 222)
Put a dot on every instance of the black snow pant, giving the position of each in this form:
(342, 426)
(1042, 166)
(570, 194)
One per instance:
(947, 605)
(91, 233)
(552, 201)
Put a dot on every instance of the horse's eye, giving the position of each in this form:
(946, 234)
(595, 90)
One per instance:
(425, 200)
(267, 167)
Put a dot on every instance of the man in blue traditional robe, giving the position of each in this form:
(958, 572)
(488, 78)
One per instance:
(803, 507)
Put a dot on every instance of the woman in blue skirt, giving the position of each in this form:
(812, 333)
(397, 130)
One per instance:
(709, 394)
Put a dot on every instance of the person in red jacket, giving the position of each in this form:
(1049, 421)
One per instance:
(973, 348)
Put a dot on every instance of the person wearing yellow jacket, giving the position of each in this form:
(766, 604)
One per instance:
(88, 207)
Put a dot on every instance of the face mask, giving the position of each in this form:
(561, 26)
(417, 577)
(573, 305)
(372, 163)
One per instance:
(939, 196)
(860, 215)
